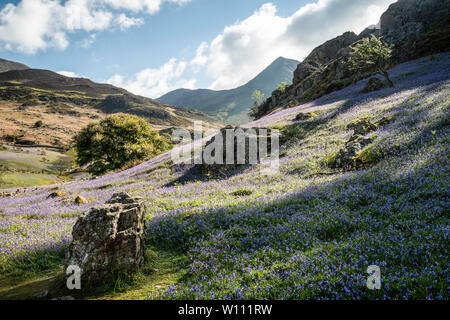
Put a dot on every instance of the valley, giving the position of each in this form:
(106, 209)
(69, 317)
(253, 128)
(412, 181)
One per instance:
(266, 242)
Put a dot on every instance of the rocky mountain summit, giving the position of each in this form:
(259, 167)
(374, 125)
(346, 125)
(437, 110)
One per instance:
(414, 28)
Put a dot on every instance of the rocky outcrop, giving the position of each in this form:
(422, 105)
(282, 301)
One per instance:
(321, 56)
(407, 19)
(108, 239)
(347, 157)
(312, 76)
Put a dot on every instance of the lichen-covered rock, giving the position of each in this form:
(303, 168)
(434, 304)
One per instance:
(303, 116)
(373, 84)
(57, 194)
(241, 137)
(347, 157)
(108, 239)
(80, 200)
(362, 127)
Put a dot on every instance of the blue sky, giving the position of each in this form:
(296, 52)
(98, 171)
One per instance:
(153, 46)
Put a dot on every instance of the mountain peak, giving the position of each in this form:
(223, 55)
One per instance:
(233, 105)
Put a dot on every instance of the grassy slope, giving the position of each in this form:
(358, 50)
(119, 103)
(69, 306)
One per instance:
(299, 234)
(28, 167)
(65, 105)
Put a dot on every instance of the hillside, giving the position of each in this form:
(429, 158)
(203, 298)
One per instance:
(232, 106)
(6, 65)
(308, 232)
(65, 105)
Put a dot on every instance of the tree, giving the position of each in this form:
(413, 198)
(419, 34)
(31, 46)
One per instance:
(257, 97)
(371, 54)
(282, 87)
(116, 141)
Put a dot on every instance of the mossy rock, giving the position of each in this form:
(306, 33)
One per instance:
(362, 127)
(80, 200)
(242, 193)
(57, 194)
(303, 116)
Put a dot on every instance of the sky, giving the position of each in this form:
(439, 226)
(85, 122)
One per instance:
(151, 47)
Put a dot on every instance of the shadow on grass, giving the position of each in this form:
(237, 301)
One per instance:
(193, 174)
(162, 268)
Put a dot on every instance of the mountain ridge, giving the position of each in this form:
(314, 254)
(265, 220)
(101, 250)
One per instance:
(232, 105)
(66, 104)
(7, 65)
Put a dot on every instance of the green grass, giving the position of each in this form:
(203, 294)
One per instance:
(26, 167)
(46, 272)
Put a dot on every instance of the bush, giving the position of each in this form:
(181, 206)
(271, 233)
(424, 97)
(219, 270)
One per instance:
(282, 87)
(115, 141)
(38, 124)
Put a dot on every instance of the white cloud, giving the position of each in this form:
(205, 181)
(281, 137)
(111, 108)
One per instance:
(200, 58)
(155, 82)
(69, 74)
(88, 41)
(244, 49)
(150, 6)
(33, 25)
(125, 22)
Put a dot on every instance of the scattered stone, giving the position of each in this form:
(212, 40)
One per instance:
(384, 121)
(57, 194)
(374, 84)
(362, 127)
(80, 200)
(108, 239)
(303, 116)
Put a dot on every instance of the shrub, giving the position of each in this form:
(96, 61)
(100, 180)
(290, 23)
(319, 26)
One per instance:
(115, 141)
(282, 87)
(38, 124)
(242, 193)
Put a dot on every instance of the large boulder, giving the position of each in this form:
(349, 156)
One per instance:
(240, 135)
(346, 158)
(109, 238)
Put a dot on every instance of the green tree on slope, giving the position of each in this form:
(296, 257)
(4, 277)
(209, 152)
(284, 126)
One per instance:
(371, 54)
(115, 141)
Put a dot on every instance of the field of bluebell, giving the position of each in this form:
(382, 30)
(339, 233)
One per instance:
(309, 232)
